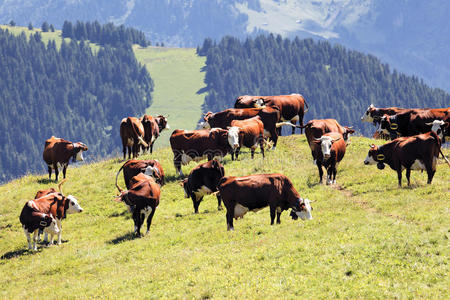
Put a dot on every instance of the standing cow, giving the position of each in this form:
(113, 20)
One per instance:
(292, 107)
(203, 180)
(132, 135)
(57, 154)
(418, 152)
(152, 129)
(150, 167)
(314, 129)
(251, 134)
(254, 192)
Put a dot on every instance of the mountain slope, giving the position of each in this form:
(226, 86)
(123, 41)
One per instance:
(368, 238)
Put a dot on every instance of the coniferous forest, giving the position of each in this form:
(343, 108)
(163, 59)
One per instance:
(70, 92)
(336, 82)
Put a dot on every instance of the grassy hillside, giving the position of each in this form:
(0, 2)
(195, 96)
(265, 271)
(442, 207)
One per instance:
(368, 238)
(177, 75)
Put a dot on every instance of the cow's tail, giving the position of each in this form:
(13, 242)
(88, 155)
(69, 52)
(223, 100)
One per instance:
(141, 140)
(117, 176)
(443, 156)
(306, 106)
(438, 143)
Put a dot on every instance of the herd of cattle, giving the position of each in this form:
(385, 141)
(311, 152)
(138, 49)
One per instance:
(254, 122)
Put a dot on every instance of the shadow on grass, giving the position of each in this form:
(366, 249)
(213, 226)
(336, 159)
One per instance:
(116, 214)
(126, 237)
(19, 253)
(173, 178)
(45, 181)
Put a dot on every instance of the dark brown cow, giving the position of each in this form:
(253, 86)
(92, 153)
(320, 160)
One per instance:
(314, 129)
(292, 107)
(414, 122)
(57, 154)
(56, 204)
(132, 134)
(418, 152)
(269, 116)
(251, 133)
(152, 129)
(141, 199)
(328, 151)
(254, 192)
(203, 180)
(150, 167)
(188, 145)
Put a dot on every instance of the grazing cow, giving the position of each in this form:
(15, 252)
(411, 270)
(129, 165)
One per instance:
(150, 167)
(292, 107)
(314, 129)
(254, 192)
(196, 145)
(56, 204)
(34, 220)
(373, 114)
(251, 133)
(418, 152)
(141, 198)
(132, 134)
(415, 122)
(203, 180)
(57, 154)
(328, 151)
(269, 116)
(152, 129)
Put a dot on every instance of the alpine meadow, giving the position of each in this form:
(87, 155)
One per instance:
(368, 238)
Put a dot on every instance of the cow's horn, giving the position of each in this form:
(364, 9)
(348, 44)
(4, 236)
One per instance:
(429, 124)
(60, 186)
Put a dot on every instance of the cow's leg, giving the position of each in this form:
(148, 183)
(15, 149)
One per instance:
(149, 219)
(230, 215)
(272, 215)
(49, 172)
(300, 122)
(64, 170)
(279, 130)
(35, 238)
(219, 201)
(430, 171)
(334, 174)
(278, 215)
(151, 148)
(232, 152)
(238, 151)
(319, 166)
(261, 146)
(129, 152)
(177, 165)
(196, 202)
(399, 175)
(124, 149)
(408, 173)
(59, 224)
(274, 139)
(137, 222)
(27, 234)
(329, 175)
(293, 122)
(45, 237)
(55, 166)
(252, 151)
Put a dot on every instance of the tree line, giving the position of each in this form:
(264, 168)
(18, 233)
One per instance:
(337, 82)
(70, 92)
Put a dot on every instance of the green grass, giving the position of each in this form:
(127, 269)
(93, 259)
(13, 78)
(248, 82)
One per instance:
(177, 75)
(368, 239)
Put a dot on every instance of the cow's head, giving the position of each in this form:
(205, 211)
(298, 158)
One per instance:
(347, 132)
(367, 116)
(206, 117)
(155, 173)
(233, 137)
(78, 149)
(326, 142)
(302, 209)
(375, 156)
(259, 102)
(215, 164)
(388, 126)
(49, 224)
(162, 122)
(72, 205)
(439, 127)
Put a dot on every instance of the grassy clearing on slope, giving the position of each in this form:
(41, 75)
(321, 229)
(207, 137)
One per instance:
(177, 75)
(370, 240)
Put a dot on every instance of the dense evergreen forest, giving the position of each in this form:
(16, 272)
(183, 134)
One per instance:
(337, 83)
(69, 92)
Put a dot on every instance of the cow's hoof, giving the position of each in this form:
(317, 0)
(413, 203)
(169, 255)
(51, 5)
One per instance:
(219, 208)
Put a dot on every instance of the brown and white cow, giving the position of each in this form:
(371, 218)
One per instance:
(269, 117)
(314, 129)
(56, 204)
(141, 198)
(251, 134)
(33, 221)
(328, 151)
(132, 134)
(255, 192)
(418, 152)
(150, 167)
(152, 129)
(203, 180)
(292, 107)
(188, 145)
(57, 154)
(374, 114)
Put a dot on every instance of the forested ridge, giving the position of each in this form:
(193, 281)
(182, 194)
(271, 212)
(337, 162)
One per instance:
(70, 92)
(337, 83)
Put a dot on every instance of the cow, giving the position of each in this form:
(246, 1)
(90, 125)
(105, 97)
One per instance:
(292, 107)
(251, 133)
(152, 129)
(150, 167)
(328, 151)
(57, 154)
(314, 129)
(33, 221)
(269, 117)
(141, 198)
(188, 145)
(373, 114)
(414, 122)
(56, 204)
(255, 192)
(203, 180)
(418, 152)
(132, 134)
